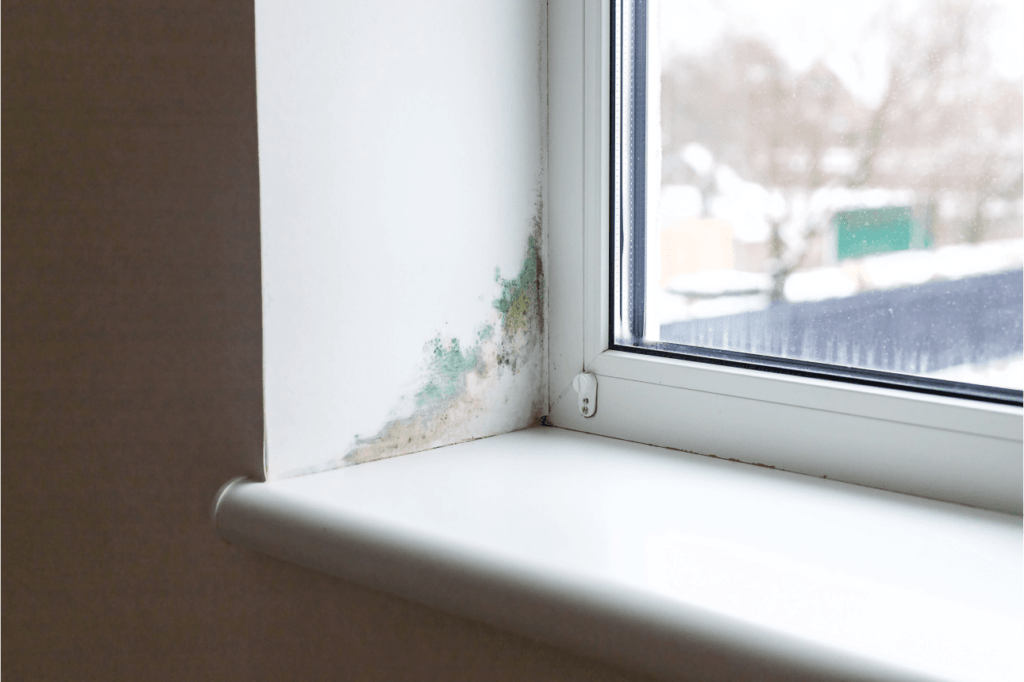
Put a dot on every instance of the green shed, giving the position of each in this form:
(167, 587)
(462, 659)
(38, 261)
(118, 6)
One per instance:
(866, 231)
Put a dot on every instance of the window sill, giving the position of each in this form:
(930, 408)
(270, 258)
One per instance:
(675, 564)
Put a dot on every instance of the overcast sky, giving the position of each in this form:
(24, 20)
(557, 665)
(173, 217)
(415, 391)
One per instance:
(836, 31)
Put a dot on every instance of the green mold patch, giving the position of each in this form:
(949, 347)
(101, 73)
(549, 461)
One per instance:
(448, 367)
(521, 305)
(460, 382)
(442, 403)
(522, 296)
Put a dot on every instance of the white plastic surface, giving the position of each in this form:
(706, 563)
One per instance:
(585, 385)
(684, 566)
(954, 450)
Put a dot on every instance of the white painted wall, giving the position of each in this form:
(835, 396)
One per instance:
(401, 161)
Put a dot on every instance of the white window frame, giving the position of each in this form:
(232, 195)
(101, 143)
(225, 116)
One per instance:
(950, 449)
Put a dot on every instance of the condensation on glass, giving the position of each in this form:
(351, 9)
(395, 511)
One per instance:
(833, 182)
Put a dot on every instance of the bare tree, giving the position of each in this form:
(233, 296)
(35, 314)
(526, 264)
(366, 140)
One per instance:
(944, 123)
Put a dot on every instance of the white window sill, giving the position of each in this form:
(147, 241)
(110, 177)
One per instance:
(676, 564)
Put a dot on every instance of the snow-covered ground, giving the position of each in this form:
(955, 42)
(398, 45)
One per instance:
(719, 293)
(713, 293)
(1006, 373)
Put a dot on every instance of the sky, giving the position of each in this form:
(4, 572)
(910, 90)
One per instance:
(805, 31)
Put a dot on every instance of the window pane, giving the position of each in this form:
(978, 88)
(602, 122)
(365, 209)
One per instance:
(831, 182)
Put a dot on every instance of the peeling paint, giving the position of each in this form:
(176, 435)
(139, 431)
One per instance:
(493, 385)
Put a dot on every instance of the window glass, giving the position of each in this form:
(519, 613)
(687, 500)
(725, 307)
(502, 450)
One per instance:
(823, 186)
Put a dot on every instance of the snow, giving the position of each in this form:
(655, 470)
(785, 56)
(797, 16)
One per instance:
(1006, 373)
(678, 202)
(675, 308)
(699, 158)
(832, 199)
(718, 282)
(746, 205)
(731, 305)
(711, 293)
(906, 268)
(820, 284)
(839, 160)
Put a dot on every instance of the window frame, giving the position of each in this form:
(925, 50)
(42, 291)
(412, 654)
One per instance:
(940, 447)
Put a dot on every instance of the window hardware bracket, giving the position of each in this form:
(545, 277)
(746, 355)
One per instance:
(585, 385)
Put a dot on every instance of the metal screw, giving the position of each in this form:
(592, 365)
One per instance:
(585, 408)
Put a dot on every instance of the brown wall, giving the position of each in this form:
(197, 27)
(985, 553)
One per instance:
(131, 375)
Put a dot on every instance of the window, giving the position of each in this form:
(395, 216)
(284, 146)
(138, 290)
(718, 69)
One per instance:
(938, 440)
(783, 211)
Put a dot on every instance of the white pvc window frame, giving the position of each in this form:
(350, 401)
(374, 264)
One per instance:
(948, 449)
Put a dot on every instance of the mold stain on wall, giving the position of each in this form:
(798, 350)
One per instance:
(492, 385)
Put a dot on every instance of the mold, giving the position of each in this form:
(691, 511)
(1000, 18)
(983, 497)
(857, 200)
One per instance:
(522, 296)
(521, 303)
(448, 369)
(493, 384)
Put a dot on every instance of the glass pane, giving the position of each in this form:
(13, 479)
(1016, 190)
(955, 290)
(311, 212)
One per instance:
(834, 182)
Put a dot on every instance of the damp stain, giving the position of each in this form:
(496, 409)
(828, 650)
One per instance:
(448, 368)
(522, 296)
(520, 305)
(490, 385)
